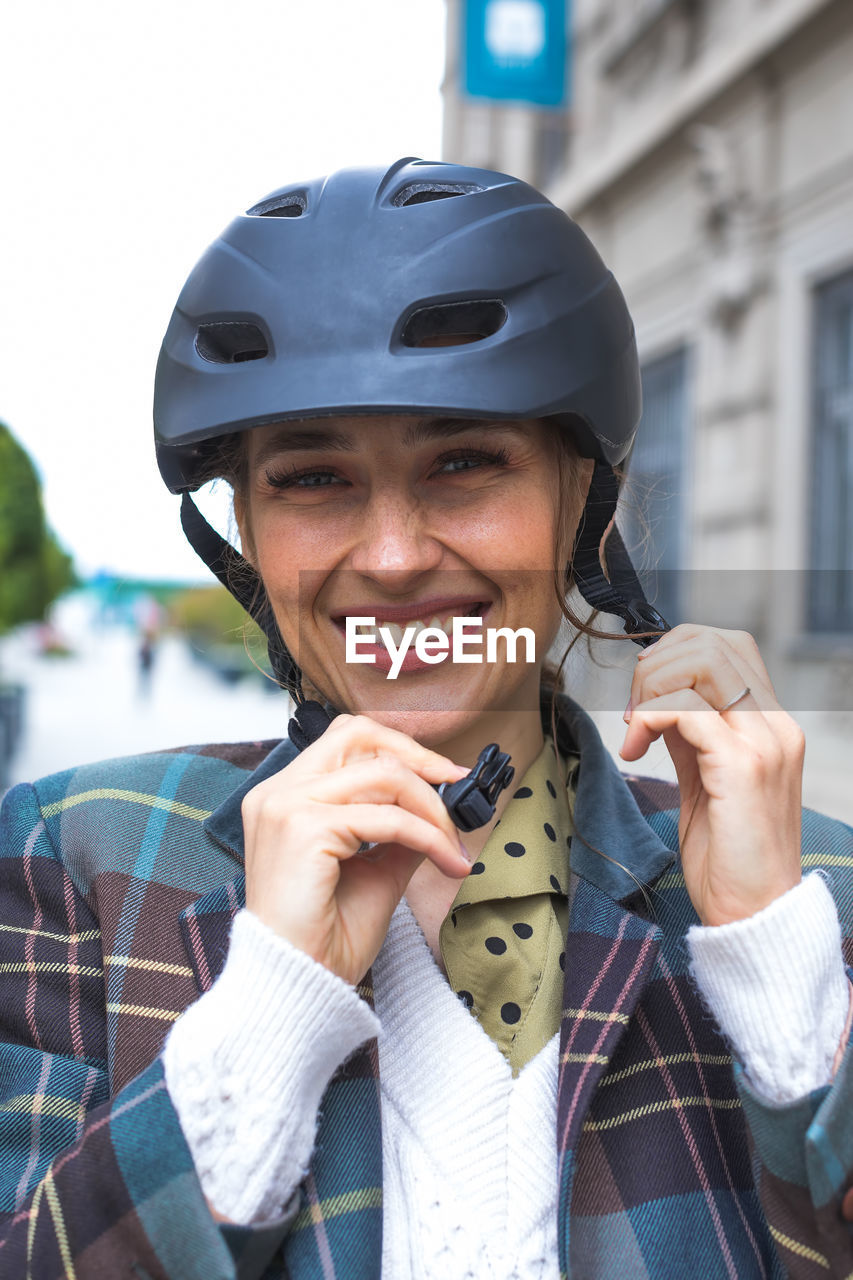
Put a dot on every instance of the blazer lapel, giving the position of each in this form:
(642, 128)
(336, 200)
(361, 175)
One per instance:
(610, 950)
(610, 954)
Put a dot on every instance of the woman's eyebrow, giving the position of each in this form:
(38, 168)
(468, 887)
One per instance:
(291, 439)
(432, 428)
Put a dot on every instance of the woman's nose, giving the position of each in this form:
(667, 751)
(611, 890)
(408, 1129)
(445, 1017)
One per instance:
(394, 542)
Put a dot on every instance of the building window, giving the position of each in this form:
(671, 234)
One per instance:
(653, 519)
(831, 559)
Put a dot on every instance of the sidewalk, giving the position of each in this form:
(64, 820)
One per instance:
(91, 706)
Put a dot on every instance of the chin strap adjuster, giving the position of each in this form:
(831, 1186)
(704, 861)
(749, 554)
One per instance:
(471, 801)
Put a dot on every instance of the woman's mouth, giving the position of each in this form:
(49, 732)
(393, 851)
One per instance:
(372, 648)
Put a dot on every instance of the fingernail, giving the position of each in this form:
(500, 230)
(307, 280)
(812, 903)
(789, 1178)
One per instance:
(465, 854)
(626, 714)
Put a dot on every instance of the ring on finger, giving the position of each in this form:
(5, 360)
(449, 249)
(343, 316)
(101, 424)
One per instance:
(744, 693)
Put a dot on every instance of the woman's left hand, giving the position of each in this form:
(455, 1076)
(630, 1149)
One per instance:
(739, 771)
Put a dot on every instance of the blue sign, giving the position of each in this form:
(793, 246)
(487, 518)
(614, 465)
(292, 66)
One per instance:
(516, 50)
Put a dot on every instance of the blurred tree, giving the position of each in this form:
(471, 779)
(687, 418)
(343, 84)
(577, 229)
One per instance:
(210, 614)
(34, 569)
(220, 634)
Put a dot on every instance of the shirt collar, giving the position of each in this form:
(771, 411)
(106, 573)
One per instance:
(606, 817)
(533, 831)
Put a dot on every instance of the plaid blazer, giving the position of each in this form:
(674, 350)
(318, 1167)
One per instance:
(118, 884)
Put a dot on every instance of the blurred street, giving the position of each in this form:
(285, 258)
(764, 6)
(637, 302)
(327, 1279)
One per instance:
(96, 704)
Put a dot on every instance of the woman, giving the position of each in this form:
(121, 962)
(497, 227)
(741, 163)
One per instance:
(418, 383)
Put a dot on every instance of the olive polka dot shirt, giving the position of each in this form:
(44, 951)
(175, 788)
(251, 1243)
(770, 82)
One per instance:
(503, 939)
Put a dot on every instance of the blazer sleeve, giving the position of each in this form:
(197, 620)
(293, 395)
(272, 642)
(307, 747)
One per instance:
(90, 1185)
(803, 1150)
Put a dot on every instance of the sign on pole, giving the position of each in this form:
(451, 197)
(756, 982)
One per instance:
(516, 50)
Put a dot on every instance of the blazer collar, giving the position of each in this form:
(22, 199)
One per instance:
(606, 817)
(225, 824)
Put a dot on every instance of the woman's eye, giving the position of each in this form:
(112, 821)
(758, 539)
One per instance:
(300, 479)
(470, 461)
(462, 464)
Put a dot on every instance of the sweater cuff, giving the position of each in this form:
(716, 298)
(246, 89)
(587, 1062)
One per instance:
(247, 1065)
(777, 986)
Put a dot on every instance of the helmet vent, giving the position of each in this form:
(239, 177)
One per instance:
(230, 342)
(292, 204)
(453, 324)
(423, 192)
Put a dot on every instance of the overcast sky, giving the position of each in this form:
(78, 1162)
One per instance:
(132, 135)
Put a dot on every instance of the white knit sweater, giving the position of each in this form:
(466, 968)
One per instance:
(469, 1157)
(469, 1154)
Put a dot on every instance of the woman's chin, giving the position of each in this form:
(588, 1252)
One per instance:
(433, 712)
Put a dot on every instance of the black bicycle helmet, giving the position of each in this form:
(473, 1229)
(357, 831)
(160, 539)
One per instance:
(327, 297)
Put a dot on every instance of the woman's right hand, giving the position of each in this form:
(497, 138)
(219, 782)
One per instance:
(304, 826)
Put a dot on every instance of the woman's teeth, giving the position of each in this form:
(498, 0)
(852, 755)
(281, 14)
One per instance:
(397, 631)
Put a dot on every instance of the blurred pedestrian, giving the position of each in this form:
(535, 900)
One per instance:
(146, 654)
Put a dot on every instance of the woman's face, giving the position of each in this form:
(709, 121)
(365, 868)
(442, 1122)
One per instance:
(407, 520)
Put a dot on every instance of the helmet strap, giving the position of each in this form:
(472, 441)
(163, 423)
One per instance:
(619, 592)
(237, 576)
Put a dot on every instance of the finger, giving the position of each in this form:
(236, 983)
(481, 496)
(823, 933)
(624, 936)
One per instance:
(697, 723)
(383, 781)
(715, 676)
(351, 738)
(677, 663)
(741, 647)
(347, 827)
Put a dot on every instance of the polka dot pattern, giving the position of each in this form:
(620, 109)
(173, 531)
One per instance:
(502, 942)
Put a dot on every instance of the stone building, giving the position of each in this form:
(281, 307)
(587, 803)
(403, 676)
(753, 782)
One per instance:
(708, 152)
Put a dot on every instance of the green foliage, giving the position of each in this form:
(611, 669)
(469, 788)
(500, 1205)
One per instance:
(34, 569)
(217, 627)
(210, 614)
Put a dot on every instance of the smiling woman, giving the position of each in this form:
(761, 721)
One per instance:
(268, 991)
(403, 519)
